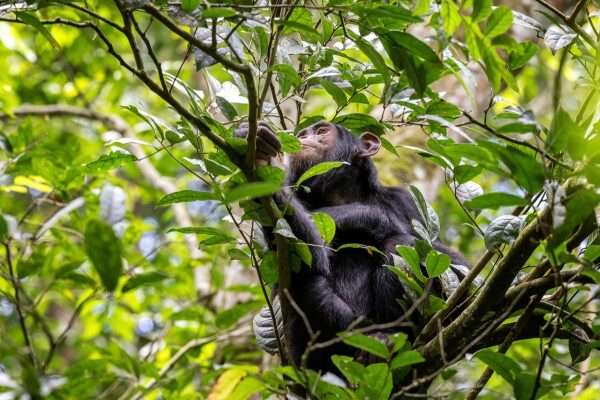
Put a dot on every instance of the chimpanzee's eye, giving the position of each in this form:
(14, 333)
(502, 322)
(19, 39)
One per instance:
(322, 130)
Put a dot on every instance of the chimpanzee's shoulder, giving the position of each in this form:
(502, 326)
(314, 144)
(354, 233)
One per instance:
(400, 200)
(398, 193)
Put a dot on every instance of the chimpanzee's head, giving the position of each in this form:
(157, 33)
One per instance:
(325, 141)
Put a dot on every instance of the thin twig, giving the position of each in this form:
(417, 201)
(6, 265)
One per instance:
(151, 52)
(570, 21)
(13, 279)
(515, 141)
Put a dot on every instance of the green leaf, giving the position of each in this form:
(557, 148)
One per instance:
(33, 21)
(147, 278)
(580, 206)
(247, 389)
(520, 54)
(359, 123)
(481, 9)
(388, 146)
(499, 22)
(103, 248)
(251, 190)
(211, 236)
(78, 278)
(464, 173)
(412, 258)
(374, 56)
(335, 92)
(451, 16)
(109, 161)
(282, 228)
(189, 5)
(4, 228)
(319, 169)
(524, 167)
(428, 215)
(287, 76)
(376, 383)
(226, 108)
(523, 386)
(494, 65)
(359, 98)
(325, 224)
(592, 252)
(369, 249)
(495, 200)
(408, 280)
(368, 344)
(186, 196)
(566, 134)
(436, 263)
(218, 12)
(268, 268)
(579, 347)
(303, 251)
(517, 127)
(308, 32)
(268, 173)
(501, 364)
(414, 46)
(231, 316)
(399, 340)
(352, 370)
(406, 358)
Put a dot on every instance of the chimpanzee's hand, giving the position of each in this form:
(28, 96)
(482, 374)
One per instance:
(264, 330)
(267, 144)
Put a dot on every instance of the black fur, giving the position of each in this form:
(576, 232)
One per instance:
(343, 286)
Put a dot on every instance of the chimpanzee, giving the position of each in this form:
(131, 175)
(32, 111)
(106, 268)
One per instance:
(343, 285)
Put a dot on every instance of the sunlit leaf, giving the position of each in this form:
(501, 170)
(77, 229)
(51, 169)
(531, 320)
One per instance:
(406, 358)
(499, 22)
(369, 344)
(186, 196)
(436, 263)
(495, 200)
(319, 169)
(251, 190)
(503, 365)
(325, 224)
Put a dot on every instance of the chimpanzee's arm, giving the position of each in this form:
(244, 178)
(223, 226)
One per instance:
(305, 230)
(368, 220)
(327, 307)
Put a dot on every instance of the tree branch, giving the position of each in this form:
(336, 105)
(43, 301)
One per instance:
(570, 21)
(13, 279)
(488, 129)
(460, 331)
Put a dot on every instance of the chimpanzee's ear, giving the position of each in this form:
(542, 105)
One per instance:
(369, 144)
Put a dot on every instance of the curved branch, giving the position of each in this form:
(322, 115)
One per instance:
(241, 69)
(570, 20)
(540, 285)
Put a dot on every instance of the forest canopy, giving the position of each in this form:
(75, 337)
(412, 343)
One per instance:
(132, 259)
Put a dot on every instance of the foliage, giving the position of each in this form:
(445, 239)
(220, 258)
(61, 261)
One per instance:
(128, 205)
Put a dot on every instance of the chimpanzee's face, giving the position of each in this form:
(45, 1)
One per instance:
(318, 142)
